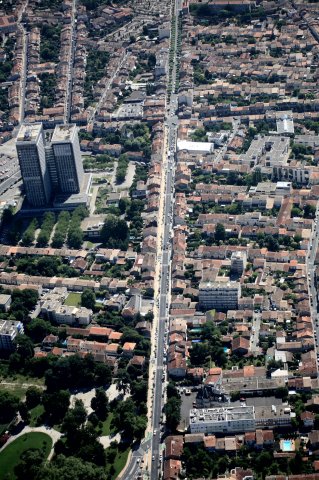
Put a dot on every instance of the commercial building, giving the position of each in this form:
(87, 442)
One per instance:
(223, 420)
(33, 165)
(195, 147)
(8, 331)
(67, 155)
(219, 295)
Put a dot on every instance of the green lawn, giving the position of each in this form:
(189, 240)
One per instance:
(106, 429)
(120, 461)
(18, 379)
(10, 456)
(73, 300)
(36, 413)
(17, 390)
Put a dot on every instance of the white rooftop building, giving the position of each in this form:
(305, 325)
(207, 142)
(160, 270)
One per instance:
(195, 147)
(222, 420)
(285, 123)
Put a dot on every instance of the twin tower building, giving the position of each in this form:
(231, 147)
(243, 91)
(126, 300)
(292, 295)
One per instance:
(50, 167)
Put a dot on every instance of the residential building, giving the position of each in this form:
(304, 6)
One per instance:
(5, 302)
(219, 295)
(238, 263)
(8, 331)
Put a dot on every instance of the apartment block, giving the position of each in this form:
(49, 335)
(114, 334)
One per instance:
(8, 332)
(219, 295)
(238, 262)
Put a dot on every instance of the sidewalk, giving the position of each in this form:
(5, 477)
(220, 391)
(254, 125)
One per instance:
(54, 434)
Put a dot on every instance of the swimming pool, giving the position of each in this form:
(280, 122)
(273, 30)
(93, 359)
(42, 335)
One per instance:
(287, 445)
(196, 330)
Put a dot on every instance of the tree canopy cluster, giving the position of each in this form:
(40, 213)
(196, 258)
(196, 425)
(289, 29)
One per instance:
(121, 169)
(61, 230)
(173, 407)
(46, 229)
(75, 234)
(115, 232)
(29, 234)
(209, 349)
(45, 266)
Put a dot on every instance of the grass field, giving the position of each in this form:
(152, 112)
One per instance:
(17, 390)
(73, 300)
(120, 461)
(10, 456)
(107, 430)
(36, 413)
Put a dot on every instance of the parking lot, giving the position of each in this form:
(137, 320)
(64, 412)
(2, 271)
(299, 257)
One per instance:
(187, 405)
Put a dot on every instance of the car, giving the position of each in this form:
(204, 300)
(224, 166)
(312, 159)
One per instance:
(154, 433)
(153, 457)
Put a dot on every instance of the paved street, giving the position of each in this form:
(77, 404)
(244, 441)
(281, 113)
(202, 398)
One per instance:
(68, 94)
(152, 442)
(254, 339)
(313, 247)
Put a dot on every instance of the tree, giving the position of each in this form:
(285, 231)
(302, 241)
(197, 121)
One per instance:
(199, 353)
(103, 374)
(139, 390)
(114, 230)
(232, 177)
(66, 468)
(173, 412)
(75, 238)
(100, 404)
(24, 346)
(220, 233)
(30, 464)
(56, 405)
(256, 177)
(74, 419)
(88, 298)
(24, 413)
(129, 420)
(38, 328)
(272, 243)
(9, 406)
(123, 380)
(309, 211)
(32, 397)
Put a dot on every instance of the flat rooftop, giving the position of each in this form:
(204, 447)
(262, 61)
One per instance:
(222, 414)
(219, 285)
(29, 132)
(63, 133)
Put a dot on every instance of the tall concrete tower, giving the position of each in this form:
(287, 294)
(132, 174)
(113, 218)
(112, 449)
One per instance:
(68, 162)
(33, 165)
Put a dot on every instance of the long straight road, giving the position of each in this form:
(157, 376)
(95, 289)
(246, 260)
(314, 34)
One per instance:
(68, 93)
(99, 104)
(164, 291)
(313, 247)
(152, 442)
